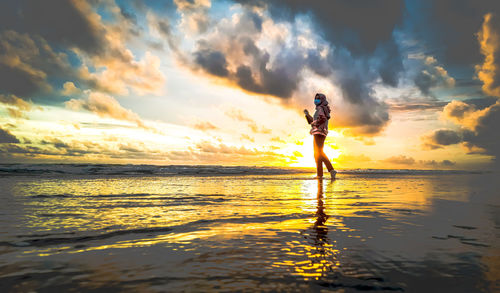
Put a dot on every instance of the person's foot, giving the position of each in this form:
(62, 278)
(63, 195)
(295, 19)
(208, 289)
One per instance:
(333, 173)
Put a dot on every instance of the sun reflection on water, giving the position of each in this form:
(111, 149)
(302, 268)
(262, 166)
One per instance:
(317, 255)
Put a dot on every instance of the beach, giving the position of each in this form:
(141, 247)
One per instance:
(223, 229)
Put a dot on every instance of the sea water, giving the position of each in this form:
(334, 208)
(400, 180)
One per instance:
(212, 228)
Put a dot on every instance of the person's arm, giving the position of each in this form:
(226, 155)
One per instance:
(308, 117)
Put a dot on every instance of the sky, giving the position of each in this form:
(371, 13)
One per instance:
(412, 84)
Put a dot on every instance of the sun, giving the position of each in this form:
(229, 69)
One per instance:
(304, 153)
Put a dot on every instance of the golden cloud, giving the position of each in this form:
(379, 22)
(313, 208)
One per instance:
(105, 106)
(489, 41)
(464, 114)
(16, 106)
(205, 126)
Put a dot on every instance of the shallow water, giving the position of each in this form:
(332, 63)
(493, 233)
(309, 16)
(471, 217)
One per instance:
(282, 232)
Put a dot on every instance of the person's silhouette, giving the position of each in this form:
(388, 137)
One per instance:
(319, 129)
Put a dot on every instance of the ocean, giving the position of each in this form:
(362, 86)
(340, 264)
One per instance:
(144, 228)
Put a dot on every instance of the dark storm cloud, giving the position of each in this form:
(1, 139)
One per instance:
(363, 27)
(27, 62)
(485, 134)
(442, 137)
(390, 62)
(452, 26)
(358, 25)
(281, 80)
(366, 115)
(29, 31)
(59, 21)
(430, 75)
(424, 81)
(7, 137)
(255, 72)
(213, 62)
(481, 103)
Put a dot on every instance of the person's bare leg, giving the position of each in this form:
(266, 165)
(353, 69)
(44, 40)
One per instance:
(317, 156)
(319, 153)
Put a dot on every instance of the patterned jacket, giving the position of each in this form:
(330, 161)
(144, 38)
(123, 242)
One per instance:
(319, 122)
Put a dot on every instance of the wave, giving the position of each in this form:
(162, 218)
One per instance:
(409, 172)
(41, 240)
(145, 170)
(190, 170)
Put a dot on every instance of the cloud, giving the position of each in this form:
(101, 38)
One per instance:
(479, 119)
(432, 75)
(400, 160)
(213, 62)
(205, 126)
(161, 29)
(247, 137)
(56, 21)
(26, 63)
(478, 132)
(256, 129)
(64, 148)
(207, 147)
(143, 76)
(485, 133)
(465, 114)
(263, 56)
(100, 60)
(489, 40)
(409, 161)
(53, 148)
(220, 153)
(194, 15)
(434, 163)
(69, 89)
(442, 137)
(7, 137)
(403, 105)
(343, 22)
(277, 139)
(451, 28)
(16, 106)
(230, 51)
(105, 106)
(238, 115)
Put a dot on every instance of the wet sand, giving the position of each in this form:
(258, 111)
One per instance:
(283, 232)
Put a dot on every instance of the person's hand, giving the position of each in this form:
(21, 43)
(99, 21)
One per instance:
(306, 112)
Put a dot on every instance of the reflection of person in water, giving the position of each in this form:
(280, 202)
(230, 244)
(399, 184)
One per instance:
(319, 129)
(319, 226)
(322, 255)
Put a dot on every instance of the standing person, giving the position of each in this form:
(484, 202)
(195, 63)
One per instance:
(319, 129)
